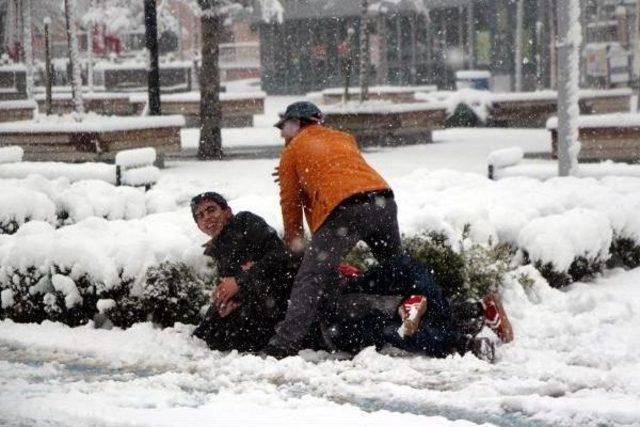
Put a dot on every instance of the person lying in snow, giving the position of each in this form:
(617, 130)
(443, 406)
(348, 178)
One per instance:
(256, 273)
(398, 303)
(395, 303)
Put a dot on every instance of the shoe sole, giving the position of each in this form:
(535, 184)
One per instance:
(411, 325)
(507, 329)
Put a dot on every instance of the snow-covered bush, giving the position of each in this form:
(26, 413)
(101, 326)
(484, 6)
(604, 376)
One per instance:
(471, 271)
(569, 246)
(21, 293)
(173, 293)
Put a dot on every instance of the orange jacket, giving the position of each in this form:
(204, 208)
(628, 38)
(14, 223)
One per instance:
(319, 169)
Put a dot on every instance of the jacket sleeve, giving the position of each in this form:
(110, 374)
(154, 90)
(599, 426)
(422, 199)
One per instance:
(269, 268)
(291, 196)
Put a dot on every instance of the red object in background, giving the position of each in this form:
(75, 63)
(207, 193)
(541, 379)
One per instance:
(349, 271)
(113, 44)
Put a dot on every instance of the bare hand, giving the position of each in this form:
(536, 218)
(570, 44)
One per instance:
(228, 308)
(227, 288)
(247, 265)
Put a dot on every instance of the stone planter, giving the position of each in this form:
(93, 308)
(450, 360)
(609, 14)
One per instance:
(392, 124)
(237, 108)
(395, 94)
(13, 111)
(604, 137)
(95, 139)
(107, 104)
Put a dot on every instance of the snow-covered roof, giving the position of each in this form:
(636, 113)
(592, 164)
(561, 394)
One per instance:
(90, 123)
(138, 65)
(602, 120)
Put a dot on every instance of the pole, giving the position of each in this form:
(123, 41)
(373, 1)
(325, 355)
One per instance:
(518, 53)
(348, 63)
(47, 63)
(151, 38)
(74, 60)
(568, 76)
(553, 67)
(471, 63)
(28, 48)
(364, 51)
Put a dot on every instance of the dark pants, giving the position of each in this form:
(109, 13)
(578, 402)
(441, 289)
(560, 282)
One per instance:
(370, 217)
(245, 329)
(365, 320)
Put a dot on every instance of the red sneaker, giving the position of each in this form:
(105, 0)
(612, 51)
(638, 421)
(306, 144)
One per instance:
(496, 318)
(411, 310)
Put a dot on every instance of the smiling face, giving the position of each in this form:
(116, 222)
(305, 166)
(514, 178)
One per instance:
(211, 218)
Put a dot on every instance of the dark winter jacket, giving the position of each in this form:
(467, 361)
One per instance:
(247, 237)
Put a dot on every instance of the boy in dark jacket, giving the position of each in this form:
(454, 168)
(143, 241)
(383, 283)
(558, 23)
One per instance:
(255, 272)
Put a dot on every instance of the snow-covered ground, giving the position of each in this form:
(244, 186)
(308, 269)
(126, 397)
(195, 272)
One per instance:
(574, 363)
(575, 360)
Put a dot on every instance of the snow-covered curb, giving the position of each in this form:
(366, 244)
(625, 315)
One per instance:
(90, 123)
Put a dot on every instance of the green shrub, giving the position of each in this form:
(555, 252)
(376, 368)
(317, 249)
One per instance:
(625, 252)
(172, 293)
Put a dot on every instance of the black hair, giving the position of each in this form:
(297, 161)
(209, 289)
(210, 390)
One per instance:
(209, 195)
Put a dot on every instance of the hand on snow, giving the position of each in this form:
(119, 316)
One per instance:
(225, 291)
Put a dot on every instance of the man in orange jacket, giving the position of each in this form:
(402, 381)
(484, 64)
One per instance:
(323, 175)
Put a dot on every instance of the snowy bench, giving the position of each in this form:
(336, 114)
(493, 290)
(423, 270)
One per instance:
(533, 109)
(109, 104)
(604, 137)
(385, 123)
(13, 111)
(95, 138)
(237, 108)
(507, 163)
(134, 168)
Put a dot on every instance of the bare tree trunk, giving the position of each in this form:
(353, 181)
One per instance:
(553, 68)
(28, 47)
(471, 63)
(568, 77)
(151, 39)
(74, 59)
(48, 72)
(348, 63)
(210, 146)
(365, 57)
(518, 42)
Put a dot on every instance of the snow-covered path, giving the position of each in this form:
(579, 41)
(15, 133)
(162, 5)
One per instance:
(575, 361)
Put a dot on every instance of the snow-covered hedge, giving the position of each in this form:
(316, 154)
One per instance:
(470, 230)
(60, 202)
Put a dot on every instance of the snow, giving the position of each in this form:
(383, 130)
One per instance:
(505, 157)
(137, 65)
(136, 157)
(552, 95)
(12, 67)
(90, 123)
(381, 90)
(548, 170)
(573, 361)
(195, 96)
(556, 239)
(53, 170)
(472, 74)
(18, 104)
(11, 154)
(612, 120)
(478, 100)
(85, 95)
(68, 288)
(380, 107)
(140, 176)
